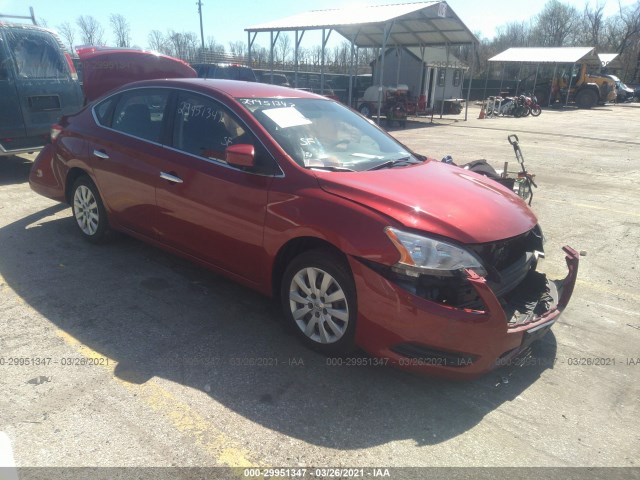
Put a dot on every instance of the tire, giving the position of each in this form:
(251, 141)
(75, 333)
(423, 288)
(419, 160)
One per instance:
(88, 210)
(319, 300)
(536, 110)
(586, 98)
(365, 110)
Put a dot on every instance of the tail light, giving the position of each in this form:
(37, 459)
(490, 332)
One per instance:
(55, 131)
(72, 67)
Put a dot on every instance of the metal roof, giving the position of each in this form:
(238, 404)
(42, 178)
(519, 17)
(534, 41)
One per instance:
(412, 24)
(610, 60)
(437, 57)
(548, 55)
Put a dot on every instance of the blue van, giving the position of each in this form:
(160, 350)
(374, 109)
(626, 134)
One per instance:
(38, 85)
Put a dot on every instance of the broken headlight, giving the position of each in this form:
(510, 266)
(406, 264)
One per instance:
(423, 255)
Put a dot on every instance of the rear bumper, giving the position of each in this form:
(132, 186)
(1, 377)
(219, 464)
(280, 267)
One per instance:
(430, 337)
(44, 178)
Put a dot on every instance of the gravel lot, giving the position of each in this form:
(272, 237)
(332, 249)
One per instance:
(138, 358)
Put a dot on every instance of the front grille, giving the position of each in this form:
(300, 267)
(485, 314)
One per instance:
(504, 253)
(532, 297)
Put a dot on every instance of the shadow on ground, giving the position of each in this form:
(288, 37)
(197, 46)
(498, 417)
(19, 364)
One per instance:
(158, 315)
(14, 170)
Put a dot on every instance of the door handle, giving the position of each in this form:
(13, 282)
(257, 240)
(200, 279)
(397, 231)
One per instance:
(170, 178)
(101, 154)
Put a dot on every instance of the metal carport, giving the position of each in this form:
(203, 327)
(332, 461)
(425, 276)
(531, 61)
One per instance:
(546, 55)
(403, 25)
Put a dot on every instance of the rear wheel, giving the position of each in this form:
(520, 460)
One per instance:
(88, 210)
(586, 98)
(319, 299)
(519, 111)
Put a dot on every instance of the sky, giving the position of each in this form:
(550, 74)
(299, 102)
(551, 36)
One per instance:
(226, 21)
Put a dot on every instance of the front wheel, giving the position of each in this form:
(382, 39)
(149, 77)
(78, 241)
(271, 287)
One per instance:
(319, 300)
(586, 98)
(88, 210)
(536, 110)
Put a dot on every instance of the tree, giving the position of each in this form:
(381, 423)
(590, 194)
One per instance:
(121, 30)
(91, 32)
(157, 41)
(554, 25)
(627, 27)
(593, 19)
(237, 49)
(215, 47)
(67, 32)
(182, 44)
(283, 47)
(514, 34)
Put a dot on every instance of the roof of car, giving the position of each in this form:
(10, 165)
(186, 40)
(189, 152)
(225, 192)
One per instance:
(233, 88)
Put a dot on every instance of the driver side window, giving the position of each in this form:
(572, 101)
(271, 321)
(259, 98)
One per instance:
(205, 127)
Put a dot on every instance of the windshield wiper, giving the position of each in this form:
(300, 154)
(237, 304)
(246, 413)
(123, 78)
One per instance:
(331, 168)
(393, 163)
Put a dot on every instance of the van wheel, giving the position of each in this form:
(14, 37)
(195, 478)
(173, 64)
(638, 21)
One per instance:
(318, 297)
(88, 210)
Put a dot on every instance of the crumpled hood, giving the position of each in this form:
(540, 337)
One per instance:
(437, 198)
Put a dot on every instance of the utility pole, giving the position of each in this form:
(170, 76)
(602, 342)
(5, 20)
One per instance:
(199, 4)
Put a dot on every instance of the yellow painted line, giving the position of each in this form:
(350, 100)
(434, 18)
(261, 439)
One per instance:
(594, 207)
(182, 417)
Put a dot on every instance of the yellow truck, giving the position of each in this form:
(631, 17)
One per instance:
(584, 88)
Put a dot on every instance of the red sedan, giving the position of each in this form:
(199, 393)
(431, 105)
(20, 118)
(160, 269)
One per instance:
(366, 243)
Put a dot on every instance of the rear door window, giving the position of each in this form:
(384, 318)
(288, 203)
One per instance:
(140, 113)
(36, 54)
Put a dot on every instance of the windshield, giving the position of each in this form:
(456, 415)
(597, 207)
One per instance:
(324, 134)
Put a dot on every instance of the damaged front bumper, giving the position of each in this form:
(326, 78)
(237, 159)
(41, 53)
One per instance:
(423, 335)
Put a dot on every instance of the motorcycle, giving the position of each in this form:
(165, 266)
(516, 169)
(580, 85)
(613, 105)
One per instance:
(520, 182)
(530, 104)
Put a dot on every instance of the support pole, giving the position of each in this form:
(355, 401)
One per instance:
(486, 81)
(566, 100)
(387, 33)
(325, 39)
(471, 71)
(535, 80)
(555, 69)
(351, 70)
(444, 88)
(519, 79)
(199, 3)
(273, 44)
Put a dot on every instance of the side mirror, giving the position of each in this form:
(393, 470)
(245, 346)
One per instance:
(241, 155)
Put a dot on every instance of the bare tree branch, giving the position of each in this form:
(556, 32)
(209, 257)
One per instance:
(121, 30)
(67, 32)
(91, 32)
